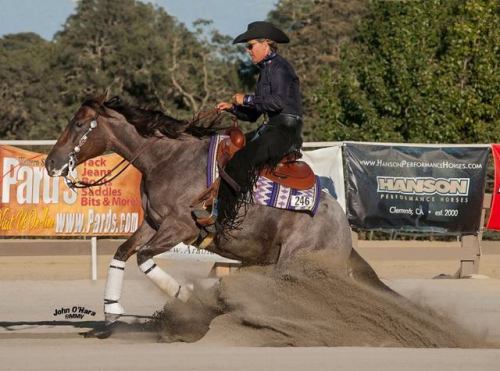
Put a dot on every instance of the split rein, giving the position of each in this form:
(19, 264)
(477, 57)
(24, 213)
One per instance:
(75, 183)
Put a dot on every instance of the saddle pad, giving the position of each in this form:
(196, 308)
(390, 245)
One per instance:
(266, 192)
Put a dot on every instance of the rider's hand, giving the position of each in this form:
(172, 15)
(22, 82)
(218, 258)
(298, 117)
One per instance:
(238, 98)
(224, 106)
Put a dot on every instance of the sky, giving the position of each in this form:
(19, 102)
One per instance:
(46, 17)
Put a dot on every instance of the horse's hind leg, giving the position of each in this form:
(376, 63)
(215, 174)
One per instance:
(169, 234)
(114, 282)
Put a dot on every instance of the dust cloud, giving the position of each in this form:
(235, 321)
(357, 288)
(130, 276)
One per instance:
(312, 303)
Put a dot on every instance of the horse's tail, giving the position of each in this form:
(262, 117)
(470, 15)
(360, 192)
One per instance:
(362, 272)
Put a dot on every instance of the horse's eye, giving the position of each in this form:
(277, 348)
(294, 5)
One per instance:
(79, 124)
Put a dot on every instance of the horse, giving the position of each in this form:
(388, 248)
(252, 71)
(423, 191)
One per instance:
(172, 158)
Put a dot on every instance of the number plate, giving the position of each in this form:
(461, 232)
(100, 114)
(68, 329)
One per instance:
(301, 201)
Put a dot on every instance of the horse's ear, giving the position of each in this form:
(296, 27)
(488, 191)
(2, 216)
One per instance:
(104, 97)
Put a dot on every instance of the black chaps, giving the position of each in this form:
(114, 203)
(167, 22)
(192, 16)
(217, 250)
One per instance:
(265, 147)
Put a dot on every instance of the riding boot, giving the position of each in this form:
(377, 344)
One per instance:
(205, 219)
(206, 215)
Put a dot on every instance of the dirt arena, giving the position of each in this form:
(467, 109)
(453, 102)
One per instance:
(305, 318)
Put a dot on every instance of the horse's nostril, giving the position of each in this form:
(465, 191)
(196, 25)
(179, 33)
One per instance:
(49, 165)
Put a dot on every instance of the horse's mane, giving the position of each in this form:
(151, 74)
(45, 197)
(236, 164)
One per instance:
(150, 122)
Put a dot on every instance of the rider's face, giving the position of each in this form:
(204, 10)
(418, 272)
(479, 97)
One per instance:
(257, 50)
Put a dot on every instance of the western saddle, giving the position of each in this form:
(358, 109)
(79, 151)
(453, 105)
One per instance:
(289, 172)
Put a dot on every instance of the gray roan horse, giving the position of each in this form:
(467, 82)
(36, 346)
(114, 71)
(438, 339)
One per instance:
(172, 157)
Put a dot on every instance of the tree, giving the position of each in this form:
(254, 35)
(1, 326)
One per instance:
(142, 51)
(419, 71)
(24, 61)
(136, 50)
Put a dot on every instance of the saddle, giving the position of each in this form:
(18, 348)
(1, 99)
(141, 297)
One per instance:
(289, 172)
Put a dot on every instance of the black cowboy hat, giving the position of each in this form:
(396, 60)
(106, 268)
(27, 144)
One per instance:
(262, 30)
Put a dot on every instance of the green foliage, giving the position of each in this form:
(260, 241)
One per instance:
(419, 71)
(24, 64)
(404, 71)
(136, 50)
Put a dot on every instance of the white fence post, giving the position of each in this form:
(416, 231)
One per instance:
(93, 253)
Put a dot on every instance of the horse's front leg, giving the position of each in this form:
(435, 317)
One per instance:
(114, 282)
(169, 234)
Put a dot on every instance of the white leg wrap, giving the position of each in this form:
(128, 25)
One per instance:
(185, 293)
(164, 281)
(113, 290)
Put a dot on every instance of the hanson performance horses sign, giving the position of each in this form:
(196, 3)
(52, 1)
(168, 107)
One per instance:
(420, 188)
(34, 204)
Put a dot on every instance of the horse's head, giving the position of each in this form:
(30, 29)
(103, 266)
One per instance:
(83, 138)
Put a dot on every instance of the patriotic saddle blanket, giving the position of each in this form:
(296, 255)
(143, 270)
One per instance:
(266, 192)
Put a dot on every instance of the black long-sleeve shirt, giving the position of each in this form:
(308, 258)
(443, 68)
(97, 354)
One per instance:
(277, 91)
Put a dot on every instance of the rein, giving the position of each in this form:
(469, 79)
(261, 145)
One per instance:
(72, 160)
(102, 180)
(76, 183)
(204, 114)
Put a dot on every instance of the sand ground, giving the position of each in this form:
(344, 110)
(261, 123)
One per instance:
(33, 288)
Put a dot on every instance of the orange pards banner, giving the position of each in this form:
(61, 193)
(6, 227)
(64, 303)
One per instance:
(34, 204)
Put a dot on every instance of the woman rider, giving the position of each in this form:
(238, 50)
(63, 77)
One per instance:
(277, 96)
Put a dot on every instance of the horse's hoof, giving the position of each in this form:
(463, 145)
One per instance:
(103, 332)
(110, 318)
(99, 334)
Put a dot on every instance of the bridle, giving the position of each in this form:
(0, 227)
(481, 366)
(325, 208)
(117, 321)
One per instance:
(74, 182)
(72, 157)
(72, 161)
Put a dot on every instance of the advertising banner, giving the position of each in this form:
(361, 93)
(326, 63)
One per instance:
(428, 188)
(34, 204)
(327, 164)
(494, 219)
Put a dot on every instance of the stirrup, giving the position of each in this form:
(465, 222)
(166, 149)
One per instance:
(205, 220)
(207, 197)
(203, 217)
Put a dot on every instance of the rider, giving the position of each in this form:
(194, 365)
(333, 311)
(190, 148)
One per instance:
(277, 96)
